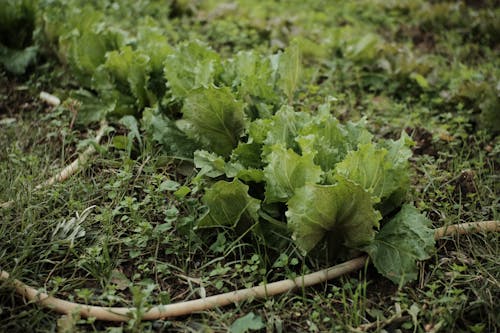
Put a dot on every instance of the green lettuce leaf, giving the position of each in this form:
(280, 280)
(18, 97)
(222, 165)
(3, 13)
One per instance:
(284, 128)
(329, 139)
(399, 150)
(400, 243)
(214, 118)
(192, 66)
(248, 154)
(16, 61)
(258, 130)
(289, 70)
(151, 40)
(380, 171)
(253, 76)
(368, 167)
(130, 70)
(341, 214)
(86, 50)
(287, 171)
(229, 204)
(163, 130)
(210, 164)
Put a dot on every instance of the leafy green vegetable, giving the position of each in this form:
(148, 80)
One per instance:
(289, 70)
(130, 71)
(192, 66)
(363, 177)
(343, 213)
(164, 131)
(284, 128)
(274, 170)
(248, 154)
(152, 41)
(250, 322)
(210, 164)
(214, 118)
(381, 172)
(369, 168)
(287, 171)
(228, 205)
(329, 139)
(253, 76)
(405, 239)
(17, 24)
(16, 61)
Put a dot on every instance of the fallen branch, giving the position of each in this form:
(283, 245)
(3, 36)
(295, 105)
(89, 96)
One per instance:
(466, 228)
(6, 204)
(188, 307)
(73, 167)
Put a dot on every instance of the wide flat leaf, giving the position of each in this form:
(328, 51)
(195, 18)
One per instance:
(400, 243)
(214, 118)
(285, 126)
(399, 150)
(258, 130)
(152, 40)
(130, 70)
(329, 139)
(369, 168)
(92, 107)
(254, 76)
(248, 154)
(193, 65)
(16, 61)
(229, 203)
(250, 322)
(86, 51)
(287, 171)
(213, 165)
(162, 130)
(290, 70)
(379, 171)
(343, 212)
(210, 164)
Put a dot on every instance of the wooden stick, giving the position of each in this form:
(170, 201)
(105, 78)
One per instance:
(466, 228)
(6, 204)
(73, 167)
(188, 307)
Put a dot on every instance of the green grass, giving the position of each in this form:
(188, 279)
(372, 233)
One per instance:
(137, 246)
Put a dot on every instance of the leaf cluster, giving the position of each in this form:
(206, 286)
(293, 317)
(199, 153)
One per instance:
(327, 184)
(17, 25)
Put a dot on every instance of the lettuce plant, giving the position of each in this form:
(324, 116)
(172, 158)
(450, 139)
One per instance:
(338, 188)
